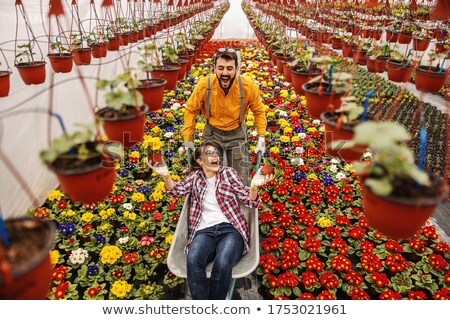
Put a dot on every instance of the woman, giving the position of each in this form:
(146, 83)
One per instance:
(218, 229)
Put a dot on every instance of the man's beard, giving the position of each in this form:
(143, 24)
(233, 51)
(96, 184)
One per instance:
(230, 82)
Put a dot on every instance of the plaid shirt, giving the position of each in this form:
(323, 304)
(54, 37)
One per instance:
(229, 191)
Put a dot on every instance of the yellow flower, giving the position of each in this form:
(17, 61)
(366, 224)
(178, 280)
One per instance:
(54, 257)
(275, 150)
(135, 154)
(294, 114)
(270, 114)
(105, 227)
(284, 139)
(170, 94)
(324, 222)
(87, 217)
(250, 117)
(121, 288)
(287, 130)
(312, 129)
(156, 130)
(117, 166)
(169, 239)
(152, 143)
(322, 129)
(157, 196)
(55, 195)
(293, 97)
(114, 188)
(200, 126)
(175, 177)
(348, 167)
(284, 93)
(169, 115)
(110, 254)
(250, 123)
(104, 138)
(138, 197)
(68, 213)
(295, 138)
(312, 176)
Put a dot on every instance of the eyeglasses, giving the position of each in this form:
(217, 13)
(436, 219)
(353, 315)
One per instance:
(211, 153)
(222, 50)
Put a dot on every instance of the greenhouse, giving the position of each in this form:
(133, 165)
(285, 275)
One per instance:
(315, 134)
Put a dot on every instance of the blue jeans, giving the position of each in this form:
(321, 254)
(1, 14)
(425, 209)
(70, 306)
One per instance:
(221, 243)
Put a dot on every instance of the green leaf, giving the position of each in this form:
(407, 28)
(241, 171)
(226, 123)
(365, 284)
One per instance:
(381, 187)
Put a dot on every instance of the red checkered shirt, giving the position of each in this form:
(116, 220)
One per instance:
(229, 191)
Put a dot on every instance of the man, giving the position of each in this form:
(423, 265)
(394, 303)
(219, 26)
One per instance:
(224, 99)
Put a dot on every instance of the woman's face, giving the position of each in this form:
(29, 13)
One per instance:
(210, 160)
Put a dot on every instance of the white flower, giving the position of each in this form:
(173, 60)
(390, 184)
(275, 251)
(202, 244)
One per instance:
(128, 206)
(187, 93)
(367, 154)
(333, 168)
(175, 106)
(302, 135)
(168, 135)
(139, 182)
(123, 240)
(78, 256)
(283, 114)
(254, 133)
(181, 151)
(299, 150)
(297, 162)
(334, 160)
(340, 175)
(317, 122)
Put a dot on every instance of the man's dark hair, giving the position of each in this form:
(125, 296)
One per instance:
(226, 56)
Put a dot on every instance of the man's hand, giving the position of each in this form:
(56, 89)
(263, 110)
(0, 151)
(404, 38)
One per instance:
(189, 145)
(260, 179)
(160, 169)
(261, 145)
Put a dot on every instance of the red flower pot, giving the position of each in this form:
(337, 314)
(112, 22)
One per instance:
(113, 44)
(391, 36)
(398, 72)
(82, 57)
(336, 43)
(404, 37)
(153, 92)
(430, 79)
(347, 49)
(61, 63)
(319, 100)
(359, 56)
(377, 65)
(182, 63)
(299, 78)
(4, 83)
(155, 157)
(397, 218)
(190, 58)
(280, 62)
(169, 73)
(287, 71)
(421, 44)
(267, 169)
(100, 50)
(124, 39)
(90, 184)
(32, 73)
(128, 130)
(440, 49)
(29, 280)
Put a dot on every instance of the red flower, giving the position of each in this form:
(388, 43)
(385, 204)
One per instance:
(442, 247)
(430, 232)
(366, 246)
(390, 295)
(299, 210)
(347, 198)
(276, 232)
(356, 211)
(309, 279)
(294, 200)
(272, 280)
(41, 213)
(265, 197)
(306, 219)
(288, 183)
(362, 222)
(331, 190)
(314, 263)
(288, 279)
(370, 262)
(332, 232)
(289, 260)
(380, 279)
(340, 245)
(311, 231)
(316, 200)
(62, 204)
(266, 217)
(340, 263)
(278, 207)
(356, 232)
(312, 245)
(285, 220)
(156, 216)
(418, 245)
(358, 294)
(87, 227)
(269, 244)
(347, 190)
(442, 294)
(329, 280)
(295, 229)
(447, 277)
(393, 246)
(306, 296)
(92, 292)
(354, 278)
(172, 206)
(437, 262)
(268, 262)
(289, 245)
(148, 206)
(342, 221)
(282, 191)
(416, 295)
(326, 295)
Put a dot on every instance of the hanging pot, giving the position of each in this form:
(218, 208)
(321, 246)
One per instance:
(169, 73)
(319, 100)
(82, 56)
(182, 63)
(99, 50)
(359, 56)
(113, 44)
(287, 70)
(32, 73)
(347, 49)
(342, 133)
(395, 217)
(299, 78)
(377, 65)
(421, 44)
(280, 60)
(25, 274)
(190, 58)
(399, 72)
(152, 91)
(61, 63)
(155, 157)
(128, 129)
(404, 37)
(429, 79)
(4, 83)
(391, 36)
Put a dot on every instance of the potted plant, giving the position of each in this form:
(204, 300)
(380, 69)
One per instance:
(303, 68)
(152, 89)
(421, 39)
(348, 43)
(339, 129)
(4, 82)
(61, 60)
(83, 165)
(398, 196)
(269, 164)
(173, 282)
(153, 146)
(429, 78)
(24, 258)
(162, 70)
(31, 71)
(360, 52)
(98, 41)
(378, 58)
(183, 49)
(325, 92)
(124, 115)
(81, 55)
(170, 58)
(400, 68)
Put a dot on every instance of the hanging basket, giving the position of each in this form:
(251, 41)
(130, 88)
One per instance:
(155, 157)
(398, 218)
(182, 63)
(299, 78)
(429, 79)
(399, 72)
(318, 100)
(61, 63)
(4, 83)
(25, 274)
(421, 44)
(169, 73)
(153, 93)
(128, 130)
(32, 73)
(100, 50)
(113, 44)
(82, 57)
(377, 65)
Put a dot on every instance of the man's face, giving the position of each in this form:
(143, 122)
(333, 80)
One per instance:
(225, 72)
